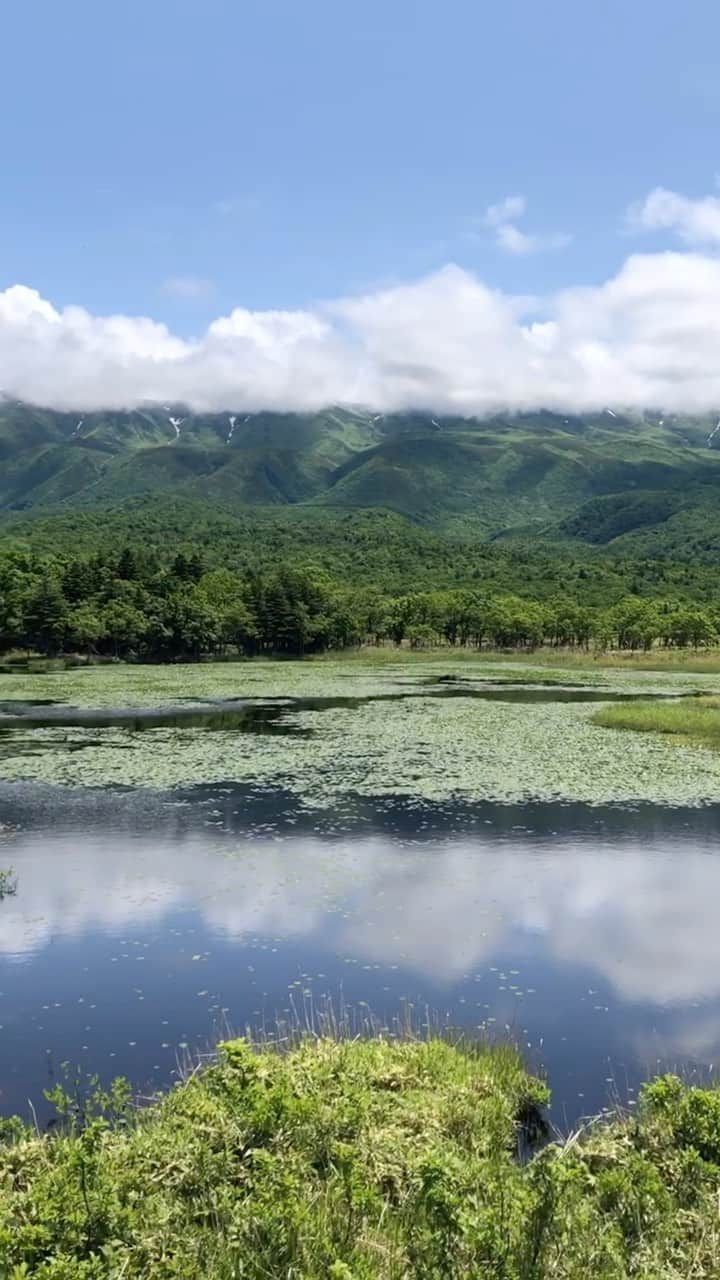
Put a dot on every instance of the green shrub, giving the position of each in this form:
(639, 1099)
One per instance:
(359, 1160)
(692, 1115)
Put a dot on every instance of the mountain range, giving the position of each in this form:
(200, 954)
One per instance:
(641, 484)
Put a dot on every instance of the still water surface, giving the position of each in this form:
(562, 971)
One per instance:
(146, 923)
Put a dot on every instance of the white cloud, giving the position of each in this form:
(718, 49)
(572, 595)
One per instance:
(506, 211)
(649, 335)
(189, 288)
(512, 239)
(696, 222)
(501, 219)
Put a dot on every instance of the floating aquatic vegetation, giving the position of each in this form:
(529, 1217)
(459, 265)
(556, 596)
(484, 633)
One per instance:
(431, 746)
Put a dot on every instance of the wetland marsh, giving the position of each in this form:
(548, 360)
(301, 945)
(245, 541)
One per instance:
(210, 847)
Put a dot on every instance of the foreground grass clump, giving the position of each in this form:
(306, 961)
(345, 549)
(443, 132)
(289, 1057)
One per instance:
(361, 1159)
(691, 719)
(340, 1158)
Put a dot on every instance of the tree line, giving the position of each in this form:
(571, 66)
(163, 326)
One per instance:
(131, 606)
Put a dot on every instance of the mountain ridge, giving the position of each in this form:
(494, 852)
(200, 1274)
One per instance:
(604, 479)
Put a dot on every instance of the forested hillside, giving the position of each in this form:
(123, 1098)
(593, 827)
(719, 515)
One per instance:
(646, 484)
(159, 534)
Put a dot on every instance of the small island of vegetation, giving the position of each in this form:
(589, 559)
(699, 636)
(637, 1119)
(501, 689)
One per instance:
(687, 719)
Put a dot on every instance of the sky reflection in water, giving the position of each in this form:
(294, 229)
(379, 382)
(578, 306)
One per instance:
(591, 935)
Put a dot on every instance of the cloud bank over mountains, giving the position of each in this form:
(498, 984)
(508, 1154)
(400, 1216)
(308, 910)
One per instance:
(648, 336)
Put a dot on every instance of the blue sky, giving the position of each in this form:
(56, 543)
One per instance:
(179, 159)
(284, 151)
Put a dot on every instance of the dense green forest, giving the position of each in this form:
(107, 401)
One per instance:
(124, 535)
(134, 604)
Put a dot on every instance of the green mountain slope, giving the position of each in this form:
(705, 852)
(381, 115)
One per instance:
(644, 485)
(369, 548)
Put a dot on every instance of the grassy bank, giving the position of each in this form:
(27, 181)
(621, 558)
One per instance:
(361, 1159)
(688, 719)
(698, 661)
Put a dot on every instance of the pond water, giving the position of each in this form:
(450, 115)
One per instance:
(437, 853)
